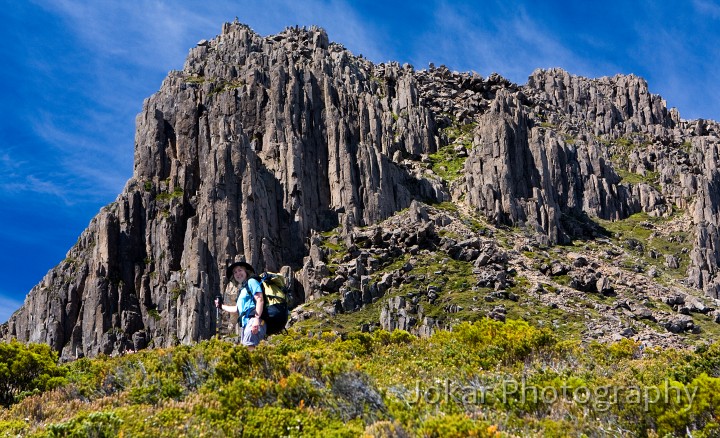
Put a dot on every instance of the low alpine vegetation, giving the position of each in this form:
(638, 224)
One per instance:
(485, 378)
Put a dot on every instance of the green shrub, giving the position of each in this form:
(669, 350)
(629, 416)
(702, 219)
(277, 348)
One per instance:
(297, 391)
(456, 426)
(359, 344)
(493, 342)
(242, 393)
(276, 421)
(401, 337)
(12, 428)
(446, 163)
(96, 424)
(624, 349)
(696, 404)
(176, 193)
(706, 360)
(232, 364)
(27, 369)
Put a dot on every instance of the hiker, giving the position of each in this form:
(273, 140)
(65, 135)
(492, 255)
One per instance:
(249, 303)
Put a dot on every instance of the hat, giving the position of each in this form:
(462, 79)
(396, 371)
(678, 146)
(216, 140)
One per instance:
(229, 270)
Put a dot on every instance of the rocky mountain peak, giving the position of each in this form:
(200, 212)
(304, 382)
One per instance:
(260, 146)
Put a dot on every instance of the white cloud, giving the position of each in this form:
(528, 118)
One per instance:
(707, 8)
(8, 164)
(68, 164)
(540, 47)
(8, 306)
(158, 34)
(34, 184)
(510, 43)
(146, 33)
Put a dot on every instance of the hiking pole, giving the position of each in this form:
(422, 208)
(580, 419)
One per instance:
(218, 305)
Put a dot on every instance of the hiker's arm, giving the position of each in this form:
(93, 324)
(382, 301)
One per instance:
(225, 307)
(231, 309)
(259, 304)
(255, 321)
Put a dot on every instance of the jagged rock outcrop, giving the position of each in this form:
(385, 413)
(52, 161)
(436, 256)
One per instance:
(261, 143)
(254, 144)
(522, 174)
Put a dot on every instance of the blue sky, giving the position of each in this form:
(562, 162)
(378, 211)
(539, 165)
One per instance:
(75, 74)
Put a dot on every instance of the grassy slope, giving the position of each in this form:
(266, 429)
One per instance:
(487, 378)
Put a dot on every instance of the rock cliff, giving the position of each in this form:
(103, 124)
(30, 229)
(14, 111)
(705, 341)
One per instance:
(260, 144)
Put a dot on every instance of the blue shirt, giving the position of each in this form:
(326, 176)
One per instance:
(246, 302)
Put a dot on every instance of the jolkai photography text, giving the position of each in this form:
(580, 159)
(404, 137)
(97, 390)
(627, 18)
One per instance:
(513, 391)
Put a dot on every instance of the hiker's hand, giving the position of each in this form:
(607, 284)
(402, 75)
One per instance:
(217, 303)
(255, 325)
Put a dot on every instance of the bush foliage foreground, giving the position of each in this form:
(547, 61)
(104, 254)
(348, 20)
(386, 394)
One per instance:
(483, 379)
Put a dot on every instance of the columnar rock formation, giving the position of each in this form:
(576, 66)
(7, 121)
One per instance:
(259, 142)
